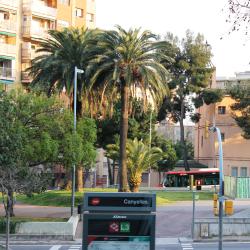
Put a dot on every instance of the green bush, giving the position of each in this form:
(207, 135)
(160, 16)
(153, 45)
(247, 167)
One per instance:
(13, 225)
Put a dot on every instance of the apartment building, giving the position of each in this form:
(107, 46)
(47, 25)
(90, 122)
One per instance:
(235, 148)
(24, 22)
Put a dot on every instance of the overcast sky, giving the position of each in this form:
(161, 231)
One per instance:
(231, 54)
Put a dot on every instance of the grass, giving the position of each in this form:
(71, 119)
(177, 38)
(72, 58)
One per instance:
(63, 198)
(163, 197)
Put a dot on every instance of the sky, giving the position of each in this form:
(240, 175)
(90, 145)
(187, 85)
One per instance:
(230, 54)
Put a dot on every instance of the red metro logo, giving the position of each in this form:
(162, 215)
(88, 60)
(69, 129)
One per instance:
(95, 201)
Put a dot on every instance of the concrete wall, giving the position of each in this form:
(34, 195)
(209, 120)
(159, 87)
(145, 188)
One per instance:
(233, 228)
(65, 229)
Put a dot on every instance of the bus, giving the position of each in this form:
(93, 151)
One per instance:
(202, 177)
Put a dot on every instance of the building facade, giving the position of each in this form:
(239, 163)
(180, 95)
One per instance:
(24, 22)
(235, 148)
(172, 131)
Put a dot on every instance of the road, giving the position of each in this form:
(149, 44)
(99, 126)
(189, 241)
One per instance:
(175, 220)
(173, 246)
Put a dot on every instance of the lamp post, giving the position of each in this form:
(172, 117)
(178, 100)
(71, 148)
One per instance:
(76, 71)
(150, 141)
(221, 192)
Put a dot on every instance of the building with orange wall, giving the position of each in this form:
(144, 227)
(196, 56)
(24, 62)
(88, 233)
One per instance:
(236, 149)
(24, 22)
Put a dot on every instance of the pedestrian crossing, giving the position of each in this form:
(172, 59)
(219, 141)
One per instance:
(75, 247)
(187, 246)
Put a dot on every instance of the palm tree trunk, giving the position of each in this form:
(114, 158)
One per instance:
(183, 142)
(79, 178)
(123, 179)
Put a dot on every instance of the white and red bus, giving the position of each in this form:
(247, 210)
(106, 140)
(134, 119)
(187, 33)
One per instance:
(202, 177)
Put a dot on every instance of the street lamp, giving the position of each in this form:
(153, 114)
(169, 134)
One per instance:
(221, 192)
(76, 71)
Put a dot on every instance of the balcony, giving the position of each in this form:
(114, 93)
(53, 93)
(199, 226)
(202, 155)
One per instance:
(29, 54)
(39, 9)
(8, 26)
(7, 74)
(9, 4)
(35, 32)
(7, 49)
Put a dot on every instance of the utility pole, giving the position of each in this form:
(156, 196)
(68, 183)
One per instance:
(221, 191)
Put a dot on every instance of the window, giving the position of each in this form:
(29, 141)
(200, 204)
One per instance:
(79, 12)
(243, 172)
(202, 141)
(63, 23)
(222, 136)
(234, 171)
(66, 2)
(90, 17)
(222, 110)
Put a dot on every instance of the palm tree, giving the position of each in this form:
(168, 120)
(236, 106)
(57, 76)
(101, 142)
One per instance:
(140, 157)
(128, 61)
(53, 70)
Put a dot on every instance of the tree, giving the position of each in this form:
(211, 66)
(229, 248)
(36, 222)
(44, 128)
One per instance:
(25, 142)
(238, 14)
(191, 74)
(36, 130)
(241, 107)
(140, 158)
(169, 155)
(128, 61)
(53, 71)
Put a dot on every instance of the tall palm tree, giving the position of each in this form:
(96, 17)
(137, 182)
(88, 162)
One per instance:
(53, 70)
(128, 61)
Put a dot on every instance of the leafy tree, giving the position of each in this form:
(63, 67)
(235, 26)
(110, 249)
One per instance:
(191, 75)
(25, 142)
(128, 60)
(37, 130)
(53, 71)
(189, 147)
(241, 108)
(140, 157)
(169, 155)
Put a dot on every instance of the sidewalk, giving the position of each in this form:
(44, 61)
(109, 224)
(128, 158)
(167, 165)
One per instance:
(38, 211)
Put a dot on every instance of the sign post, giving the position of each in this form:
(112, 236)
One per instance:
(119, 221)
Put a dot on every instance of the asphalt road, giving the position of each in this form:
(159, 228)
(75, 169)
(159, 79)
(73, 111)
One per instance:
(175, 220)
(178, 246)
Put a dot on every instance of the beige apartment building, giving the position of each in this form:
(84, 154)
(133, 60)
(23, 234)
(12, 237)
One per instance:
(236, 149)
(24, 22)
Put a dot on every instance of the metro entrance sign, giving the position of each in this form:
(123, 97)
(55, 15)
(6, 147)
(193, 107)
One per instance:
(108, 202)
(118, 221)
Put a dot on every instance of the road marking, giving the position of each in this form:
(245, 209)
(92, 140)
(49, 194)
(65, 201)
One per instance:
(187, 246)
(75, 247)
(56, 247)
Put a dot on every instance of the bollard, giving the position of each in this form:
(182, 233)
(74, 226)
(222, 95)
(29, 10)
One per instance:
(229, 210)
(216, 212)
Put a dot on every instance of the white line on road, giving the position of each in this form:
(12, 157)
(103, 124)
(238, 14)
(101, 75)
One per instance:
(56, 247)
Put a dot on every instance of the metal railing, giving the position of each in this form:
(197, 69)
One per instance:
(8, 25)
(35, 32)
(39, 8)
(8, 49)
(9, 3)
(7, 73)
